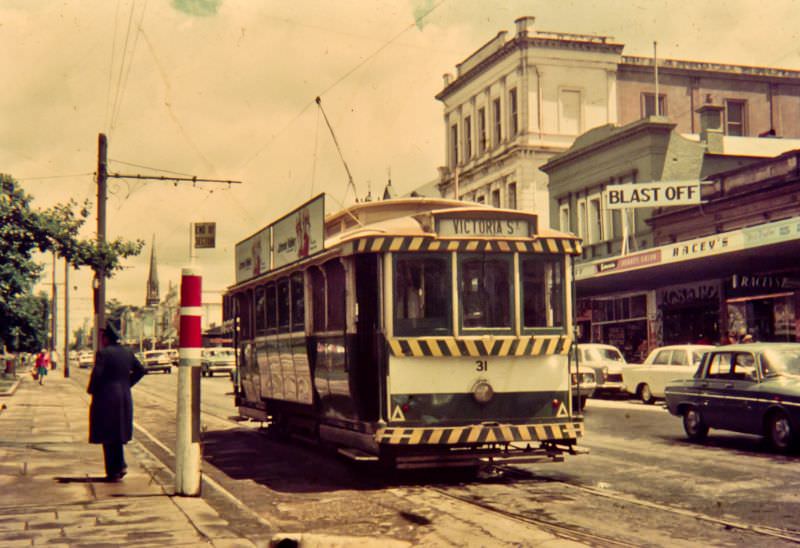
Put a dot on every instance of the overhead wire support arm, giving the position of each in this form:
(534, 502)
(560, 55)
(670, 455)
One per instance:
(338, 148)
(167, 178)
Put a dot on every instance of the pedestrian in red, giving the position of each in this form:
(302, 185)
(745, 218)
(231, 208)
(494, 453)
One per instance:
(42, 365)
(116, 369)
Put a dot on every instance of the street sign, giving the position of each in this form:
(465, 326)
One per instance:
(660, 194)
(205, 235)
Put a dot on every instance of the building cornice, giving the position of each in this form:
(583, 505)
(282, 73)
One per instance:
(678, 66)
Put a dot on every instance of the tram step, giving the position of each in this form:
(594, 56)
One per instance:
(357, 455)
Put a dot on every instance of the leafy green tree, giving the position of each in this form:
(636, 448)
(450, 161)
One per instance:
(25, 230)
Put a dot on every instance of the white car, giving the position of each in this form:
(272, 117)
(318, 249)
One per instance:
(156, 360)
(85, 358)
(217, 360)
(607, 362)
(667, 363)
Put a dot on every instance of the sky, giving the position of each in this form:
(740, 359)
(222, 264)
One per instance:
(225, 89)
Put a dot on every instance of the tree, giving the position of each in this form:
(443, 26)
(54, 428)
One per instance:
(25, 230)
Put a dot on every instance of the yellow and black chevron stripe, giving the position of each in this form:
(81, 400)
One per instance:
(536, 345)
(420, 243)
(478, 434)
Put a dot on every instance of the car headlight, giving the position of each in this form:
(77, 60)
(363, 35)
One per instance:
(482, 392)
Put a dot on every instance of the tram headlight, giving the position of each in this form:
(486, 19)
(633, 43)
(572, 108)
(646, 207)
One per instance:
(482, 392)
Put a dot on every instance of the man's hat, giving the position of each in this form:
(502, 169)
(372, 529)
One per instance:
(112, 329)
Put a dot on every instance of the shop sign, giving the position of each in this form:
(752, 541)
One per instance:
(662, 194)
(754, 284)
(703, 247)
(688, 294)
(628, 262)
(465, 227)
(771, 233)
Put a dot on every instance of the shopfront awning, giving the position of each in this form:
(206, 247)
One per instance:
(762, 248)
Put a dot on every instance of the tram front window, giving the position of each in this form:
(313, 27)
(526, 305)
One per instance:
(486, 292)
(543, 292)
(422, 296)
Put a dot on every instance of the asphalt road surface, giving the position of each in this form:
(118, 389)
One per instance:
(642, 483)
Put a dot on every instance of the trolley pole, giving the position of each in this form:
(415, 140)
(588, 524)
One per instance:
(187, 450)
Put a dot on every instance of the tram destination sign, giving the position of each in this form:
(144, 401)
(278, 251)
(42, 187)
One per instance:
(661, 194)
(481, 227)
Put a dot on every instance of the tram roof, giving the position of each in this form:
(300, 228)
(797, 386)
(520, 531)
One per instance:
(413, 217)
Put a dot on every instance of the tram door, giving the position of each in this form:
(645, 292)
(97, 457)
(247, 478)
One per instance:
(369, 343)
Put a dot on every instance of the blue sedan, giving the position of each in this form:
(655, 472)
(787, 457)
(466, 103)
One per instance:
(749, 388)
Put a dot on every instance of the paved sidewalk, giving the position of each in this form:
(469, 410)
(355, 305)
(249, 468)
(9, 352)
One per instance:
(52, 490)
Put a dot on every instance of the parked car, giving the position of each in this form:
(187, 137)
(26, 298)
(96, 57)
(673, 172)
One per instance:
(174, 356)
(607, 362)
(156, 360)
(85, 358)
(648, 380)
(750, 388)
(583, 385)
(214, 360)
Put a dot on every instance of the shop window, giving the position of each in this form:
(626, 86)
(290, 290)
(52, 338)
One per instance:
(735, 117)
(422, 295)
(298, 303)
(485, 292)
(261, 310)
(542, 292)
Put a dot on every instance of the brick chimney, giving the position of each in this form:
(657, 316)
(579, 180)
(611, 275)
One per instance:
(525, 25)
(711, 127)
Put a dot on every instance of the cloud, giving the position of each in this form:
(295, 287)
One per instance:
(199, 8)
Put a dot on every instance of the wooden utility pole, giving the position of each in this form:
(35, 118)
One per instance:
(66, 318)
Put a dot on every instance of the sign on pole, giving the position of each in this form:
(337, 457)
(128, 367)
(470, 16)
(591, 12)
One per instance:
(661, 194)
(205, 235)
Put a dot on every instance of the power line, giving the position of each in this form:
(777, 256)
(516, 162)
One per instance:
(53, 177)
(122, 65)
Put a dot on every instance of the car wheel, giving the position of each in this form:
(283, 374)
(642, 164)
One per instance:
(646, 394)
(694, 425)
(779, 431)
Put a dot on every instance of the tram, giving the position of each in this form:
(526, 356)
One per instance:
(417, 332)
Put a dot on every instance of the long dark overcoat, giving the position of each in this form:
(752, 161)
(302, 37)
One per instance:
(116, 369)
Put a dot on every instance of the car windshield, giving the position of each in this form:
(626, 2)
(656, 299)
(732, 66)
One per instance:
(697, 357)
(781, 361)
(605, 354)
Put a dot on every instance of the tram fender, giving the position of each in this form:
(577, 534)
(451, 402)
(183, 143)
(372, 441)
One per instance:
(348, 438)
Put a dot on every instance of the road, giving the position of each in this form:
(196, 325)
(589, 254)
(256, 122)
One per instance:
(642, 483)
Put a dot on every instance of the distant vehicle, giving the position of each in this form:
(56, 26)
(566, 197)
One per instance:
(749, 388)
(583, 385)
(217, 360)
(85, 358)
(665, 364)
(156, 360)
(607, 362)
(174, 356)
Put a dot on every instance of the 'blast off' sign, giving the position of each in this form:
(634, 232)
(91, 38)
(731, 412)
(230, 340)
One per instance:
(663, 194)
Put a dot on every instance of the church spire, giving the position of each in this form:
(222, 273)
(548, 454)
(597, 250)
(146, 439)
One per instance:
(152, 280)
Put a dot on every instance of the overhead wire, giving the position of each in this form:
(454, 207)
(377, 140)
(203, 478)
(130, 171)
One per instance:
(107, 119)
(130, 66)
(122, 66)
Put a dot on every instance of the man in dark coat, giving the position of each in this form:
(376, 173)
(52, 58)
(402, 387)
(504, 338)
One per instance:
(116, 369)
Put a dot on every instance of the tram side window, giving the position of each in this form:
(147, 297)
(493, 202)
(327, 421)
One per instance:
(336, 302)
(298, 303)
(485, 284)
(245, 313)
(317, 281)
(422, 295)
(283, 305)
(261, 310)
(272, 308)
(543, 292)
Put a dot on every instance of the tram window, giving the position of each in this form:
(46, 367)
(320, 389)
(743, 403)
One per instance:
(486, 292)
(334, 275)
(317, 299)
(543, 292)
(422, 295)
(272, 308)
(298, 310)
(245, 309)
(261, 310)
(283, 305)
